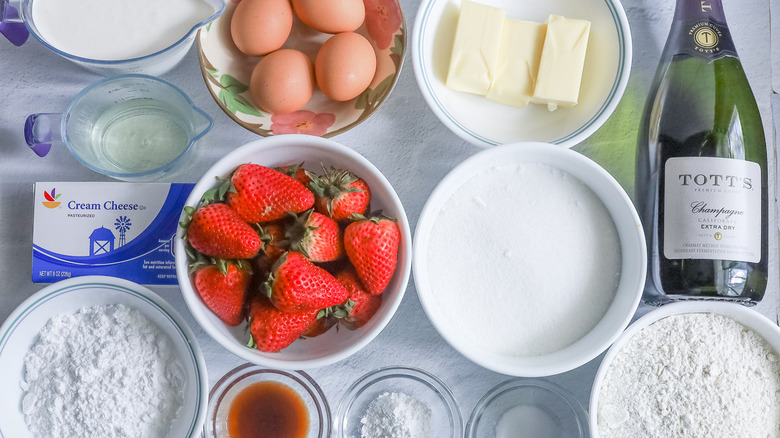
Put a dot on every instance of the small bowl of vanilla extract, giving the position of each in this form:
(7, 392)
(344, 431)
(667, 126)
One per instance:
(250, 398)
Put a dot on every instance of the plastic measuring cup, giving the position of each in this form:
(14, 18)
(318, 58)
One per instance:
(129, 127)
(16, 24)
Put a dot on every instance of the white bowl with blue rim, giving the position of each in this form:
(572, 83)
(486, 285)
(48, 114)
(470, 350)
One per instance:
(485, 123)
(20, 331)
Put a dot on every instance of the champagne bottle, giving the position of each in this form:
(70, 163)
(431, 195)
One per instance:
(701, 176)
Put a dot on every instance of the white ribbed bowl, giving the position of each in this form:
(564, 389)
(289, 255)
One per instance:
(748, 317)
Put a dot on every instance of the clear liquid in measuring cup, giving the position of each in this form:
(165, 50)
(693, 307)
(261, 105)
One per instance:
(139, 135)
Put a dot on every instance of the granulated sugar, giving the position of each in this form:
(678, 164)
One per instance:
(524, 260)
(105, 371)
(527, 420)
(692, 375)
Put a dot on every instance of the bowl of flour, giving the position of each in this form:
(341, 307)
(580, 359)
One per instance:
(100, 356)
(529, 259)
(705, 368)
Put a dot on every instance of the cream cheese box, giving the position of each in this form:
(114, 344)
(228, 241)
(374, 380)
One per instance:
(119, 229)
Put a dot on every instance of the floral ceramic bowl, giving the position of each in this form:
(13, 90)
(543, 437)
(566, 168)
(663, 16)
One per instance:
(227, 71)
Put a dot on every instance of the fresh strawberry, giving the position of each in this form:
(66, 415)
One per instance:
(296, 171)
(262, 194)
(372, 247)
(316, 236)
(323, 323)
(216, 230)
(274, 245)
(274, 239)
(297, 285)
(361, 305)
(273, 329)
(222, 287)
(339, 194)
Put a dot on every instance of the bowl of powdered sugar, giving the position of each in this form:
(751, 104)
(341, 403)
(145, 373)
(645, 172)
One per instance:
(100, 357)
(529, 259)
(398, 402)
(691, 369)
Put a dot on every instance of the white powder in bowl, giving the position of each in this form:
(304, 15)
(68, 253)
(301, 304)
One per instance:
(105, 371)
(523, 259)
(692, 375)
(396, 415)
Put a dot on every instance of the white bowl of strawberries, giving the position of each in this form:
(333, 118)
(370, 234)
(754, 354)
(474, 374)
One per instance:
(294, 252)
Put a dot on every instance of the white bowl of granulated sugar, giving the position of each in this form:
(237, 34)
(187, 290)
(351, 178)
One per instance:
(708, 368)
(99, 356)
(529, 259)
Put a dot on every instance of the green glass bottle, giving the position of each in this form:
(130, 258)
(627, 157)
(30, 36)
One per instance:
(701, 176)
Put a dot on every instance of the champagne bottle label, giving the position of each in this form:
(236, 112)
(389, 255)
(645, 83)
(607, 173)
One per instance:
(702, 32)
(712, 209)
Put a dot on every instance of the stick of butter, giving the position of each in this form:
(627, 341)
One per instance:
(518, 62)
(475, 48)
(563, 57)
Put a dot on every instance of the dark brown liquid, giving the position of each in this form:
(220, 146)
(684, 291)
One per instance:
(268, 410)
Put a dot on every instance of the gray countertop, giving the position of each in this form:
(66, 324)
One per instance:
(403, 139)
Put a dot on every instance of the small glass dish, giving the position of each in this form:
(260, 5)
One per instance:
(531, 407)
(237, 379)
(445, 415)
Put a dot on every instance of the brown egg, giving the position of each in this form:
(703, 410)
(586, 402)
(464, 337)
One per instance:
(331, 16)
(282, 82)
(345, 66)
(259, 27)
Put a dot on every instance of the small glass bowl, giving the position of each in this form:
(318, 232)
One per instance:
(235, 380)
(536, 407)
(446, 419)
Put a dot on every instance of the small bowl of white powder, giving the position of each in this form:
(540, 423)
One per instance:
(398, 402)
(529, 259)
(101, 357)
(527, 407)
(705, 368)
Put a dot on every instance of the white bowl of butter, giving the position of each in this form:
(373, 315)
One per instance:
(566, 109)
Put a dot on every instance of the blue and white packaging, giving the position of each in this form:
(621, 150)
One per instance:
(120, 229)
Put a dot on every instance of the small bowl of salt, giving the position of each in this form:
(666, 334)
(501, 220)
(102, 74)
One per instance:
(529, 407)
(398, 401)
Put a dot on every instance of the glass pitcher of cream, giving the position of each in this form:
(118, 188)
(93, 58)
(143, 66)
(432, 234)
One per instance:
(111, 37)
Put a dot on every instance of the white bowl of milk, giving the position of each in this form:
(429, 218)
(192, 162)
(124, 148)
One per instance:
(114, 36)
